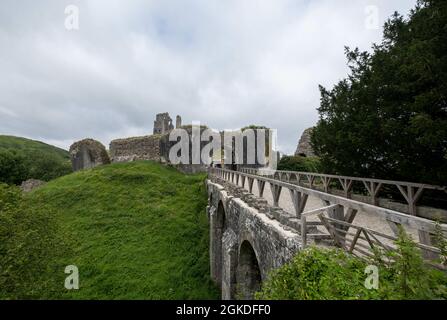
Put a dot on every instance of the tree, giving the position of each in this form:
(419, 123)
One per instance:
(299, 163)
(17, 166)
(13, 169)
(388, 118)
(46, 167)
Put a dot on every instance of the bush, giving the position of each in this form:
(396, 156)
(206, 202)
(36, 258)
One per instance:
(17, 166)
(299, 163)
(321, 273)
(408, 277)
(46, 167)
(13, 169)
(29, 243)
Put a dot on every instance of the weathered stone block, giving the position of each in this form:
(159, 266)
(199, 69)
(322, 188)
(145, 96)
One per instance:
(245, 245)
(88, 153)
(31, 184)
(304, 146)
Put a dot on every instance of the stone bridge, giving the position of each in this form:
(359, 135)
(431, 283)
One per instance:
(245, 243)
(249, 237)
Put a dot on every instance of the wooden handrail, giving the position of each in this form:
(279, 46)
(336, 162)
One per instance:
(392, 215)
(410, 191)
(390, 182)
(304, 216)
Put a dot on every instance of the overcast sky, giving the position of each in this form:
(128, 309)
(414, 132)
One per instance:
(226, 63)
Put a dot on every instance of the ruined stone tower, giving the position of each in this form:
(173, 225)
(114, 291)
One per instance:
(163, 123)
(304, 145)
(178, 122)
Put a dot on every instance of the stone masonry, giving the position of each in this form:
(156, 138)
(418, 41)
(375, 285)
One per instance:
(304, 146)
(137, 148)
(248, 239)
(88, 153)
(157, 147)
(31, 184)
(163, 123)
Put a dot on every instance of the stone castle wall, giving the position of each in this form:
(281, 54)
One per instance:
(137, 148)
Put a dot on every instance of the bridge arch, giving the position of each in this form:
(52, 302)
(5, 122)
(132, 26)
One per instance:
(248, 273)
(244, 244)
(213, 200)
(221, 216)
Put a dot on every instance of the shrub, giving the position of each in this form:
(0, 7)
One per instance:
(17, 166)
(318, 274)
(322, 273)
(408, 276)
(299, 163)
(46, 167)
(13, 169)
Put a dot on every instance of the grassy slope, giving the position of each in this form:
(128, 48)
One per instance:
(27, 145)
(138, 231)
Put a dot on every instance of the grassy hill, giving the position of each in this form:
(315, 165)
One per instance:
(135, 231)
(27, 145)
(22, 159)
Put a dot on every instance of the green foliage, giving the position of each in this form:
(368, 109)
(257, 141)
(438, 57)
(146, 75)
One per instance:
(22, 159)
(29, 244)
(441, 243)
(320, 274)
(299, 163)
(408, 277)
(254, 127)
(317, 274)
(13, 168)
(388, 119)
(135, 231)
(46, 167)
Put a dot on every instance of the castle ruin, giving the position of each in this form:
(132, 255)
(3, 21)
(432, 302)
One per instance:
(163, 123)
(154, 147)
(304, 145)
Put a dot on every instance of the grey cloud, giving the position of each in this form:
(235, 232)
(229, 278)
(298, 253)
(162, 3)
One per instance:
(225, 63)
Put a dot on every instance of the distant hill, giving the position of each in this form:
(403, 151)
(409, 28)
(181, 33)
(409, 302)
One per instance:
(28, 145)
(22, 159)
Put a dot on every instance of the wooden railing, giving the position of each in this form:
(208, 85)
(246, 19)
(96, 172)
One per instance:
(411, 192)
(362, 241)
(340, 209)
(305, 224)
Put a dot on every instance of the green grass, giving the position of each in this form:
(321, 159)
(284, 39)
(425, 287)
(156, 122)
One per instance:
(135, 231)
(31, 146)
